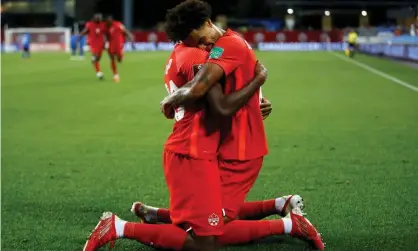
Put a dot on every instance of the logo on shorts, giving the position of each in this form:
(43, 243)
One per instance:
(213, 220)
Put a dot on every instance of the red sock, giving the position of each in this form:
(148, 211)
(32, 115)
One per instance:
(97, 66)
(163, 215)
(257, 210)
(158, 235)
(241, 231)
(113, 66)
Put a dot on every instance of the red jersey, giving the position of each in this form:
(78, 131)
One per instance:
(96, 33)
(242, 135)
(116, 33)
(195, 133)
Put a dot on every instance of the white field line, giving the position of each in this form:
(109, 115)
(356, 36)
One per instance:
(377, 72)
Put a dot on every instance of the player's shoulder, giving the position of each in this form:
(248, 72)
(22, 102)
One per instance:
(232, 38)
(186, 55)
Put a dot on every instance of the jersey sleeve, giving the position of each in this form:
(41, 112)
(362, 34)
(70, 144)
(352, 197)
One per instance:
(228, 53)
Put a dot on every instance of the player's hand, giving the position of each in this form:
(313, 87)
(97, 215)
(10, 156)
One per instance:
(265, 108)
(167, 108)
(260, 72)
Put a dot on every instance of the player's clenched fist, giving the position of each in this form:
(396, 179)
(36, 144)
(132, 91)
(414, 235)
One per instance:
(166, 108)
(261, 71)
(265, 107)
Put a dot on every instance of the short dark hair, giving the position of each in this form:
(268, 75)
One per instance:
(185, 17)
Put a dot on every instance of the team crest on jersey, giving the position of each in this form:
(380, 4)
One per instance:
(213, 220)
(216, 52)
(197, 68)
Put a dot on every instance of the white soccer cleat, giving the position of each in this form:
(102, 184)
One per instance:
(145, 213)
(287, 203)
(100, 75)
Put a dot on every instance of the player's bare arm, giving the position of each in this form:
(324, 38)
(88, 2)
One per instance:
(207, 77)
(227, 105)
(128, 34)
(265, 108)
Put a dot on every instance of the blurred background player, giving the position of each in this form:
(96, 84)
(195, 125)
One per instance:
(95, 31)
(25, 45)
(77, 42)
(116, 35)
(352, 43)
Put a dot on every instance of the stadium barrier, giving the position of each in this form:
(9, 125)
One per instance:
(401, 47)
(398, 51)
(165, 46)
(255, 37)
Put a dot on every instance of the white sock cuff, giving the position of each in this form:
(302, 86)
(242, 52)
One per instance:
(279, 203)
(287, 222)
(120, 227)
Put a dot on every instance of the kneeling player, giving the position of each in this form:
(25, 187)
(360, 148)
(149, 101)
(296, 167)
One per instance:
(190, 168)
(116, 34)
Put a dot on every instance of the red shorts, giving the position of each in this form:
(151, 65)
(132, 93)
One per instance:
(195, 193)
(116, 49)
(96, 50)
(237, 179)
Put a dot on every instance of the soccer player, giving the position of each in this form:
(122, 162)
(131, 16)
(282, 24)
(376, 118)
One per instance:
(243, 144)
(77, 44)
(95, 31)
(25, 45)
(190, 160)
(116, 34)
(352, 43)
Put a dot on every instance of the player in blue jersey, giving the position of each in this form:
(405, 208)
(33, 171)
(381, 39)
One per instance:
(77, 42)
(25, 45)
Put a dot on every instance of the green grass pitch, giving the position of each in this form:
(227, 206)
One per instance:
(72, 147)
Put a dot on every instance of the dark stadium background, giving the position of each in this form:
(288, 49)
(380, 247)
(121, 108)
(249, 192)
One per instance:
(146, 14)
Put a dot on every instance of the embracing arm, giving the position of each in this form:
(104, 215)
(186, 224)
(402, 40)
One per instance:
(208, 76)
(227, 105)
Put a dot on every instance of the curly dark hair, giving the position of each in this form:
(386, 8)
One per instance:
(185, 17)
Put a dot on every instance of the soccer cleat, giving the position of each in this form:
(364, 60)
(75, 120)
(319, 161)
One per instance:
(303, 228)
(103, 233)
(145, 213)
(292, 201)
(100, 75)
(116, 78)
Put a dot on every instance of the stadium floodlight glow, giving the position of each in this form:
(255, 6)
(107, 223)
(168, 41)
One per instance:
(327, 13)
(364, 13)
(290, 11)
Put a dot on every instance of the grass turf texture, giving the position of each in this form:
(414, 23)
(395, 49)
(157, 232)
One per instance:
(73, 147)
